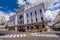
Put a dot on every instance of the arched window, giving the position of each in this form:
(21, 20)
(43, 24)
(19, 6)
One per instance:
(35, 13)
(21, 16)
(40, 11)
(21, 21)
(31, 15)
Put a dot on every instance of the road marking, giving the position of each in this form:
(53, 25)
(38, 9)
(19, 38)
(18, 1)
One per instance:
(21, 35)
(10, 36)
(17, 35)
(44, 35)
(25, 35)
(1, 36)
(14, 35)
(7, 36)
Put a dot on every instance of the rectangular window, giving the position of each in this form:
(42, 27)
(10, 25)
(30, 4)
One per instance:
(31, 14)
(41, 18)
(31, 20)
(41, 14)
(27, 15)
(36, 20)
(35, 13)
(27, 21)
(40, 11)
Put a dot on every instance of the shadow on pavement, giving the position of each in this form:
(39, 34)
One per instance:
(1, 34)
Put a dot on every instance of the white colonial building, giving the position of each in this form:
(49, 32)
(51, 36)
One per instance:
(3, 23)
(56, 25)
(30, 19)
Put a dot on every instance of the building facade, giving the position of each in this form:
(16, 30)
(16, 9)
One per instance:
(2, 23)
(56, 25)
(31, 19)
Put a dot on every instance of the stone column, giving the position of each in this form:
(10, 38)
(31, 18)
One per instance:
(16, 20)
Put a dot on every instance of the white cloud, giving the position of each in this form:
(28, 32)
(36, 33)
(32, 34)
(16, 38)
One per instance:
(47, 15)
(35, 2)
(3, 14)
(6, 15)
(20, 2)
(56, 6)
(48, 3)
(50, 16)
(11, 13)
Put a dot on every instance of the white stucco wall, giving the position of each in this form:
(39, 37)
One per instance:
(23, 12)
(32, 10)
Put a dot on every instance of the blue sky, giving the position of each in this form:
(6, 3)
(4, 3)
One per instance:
(9, 7)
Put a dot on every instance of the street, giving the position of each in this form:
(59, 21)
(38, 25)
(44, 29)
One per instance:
(32, 38)
(10, 35)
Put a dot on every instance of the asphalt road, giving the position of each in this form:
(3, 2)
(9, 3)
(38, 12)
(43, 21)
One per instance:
(28, 37)
(32, 38)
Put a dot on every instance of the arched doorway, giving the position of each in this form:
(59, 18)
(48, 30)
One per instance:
(21, 19)
(21, 28)
(21, 22)
(21, 16)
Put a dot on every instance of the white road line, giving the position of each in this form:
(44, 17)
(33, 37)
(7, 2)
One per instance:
(21, 35)
(14, 35)
(46, 35)
(24, 35)
(1, 36)
(39, 35)
(10, 36)
(36, 35)
(6, 36)
(32, 34)
(17, 35)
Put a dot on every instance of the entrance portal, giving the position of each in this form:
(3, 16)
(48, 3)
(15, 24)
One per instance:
(21, 29)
